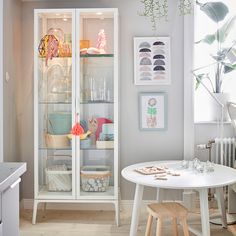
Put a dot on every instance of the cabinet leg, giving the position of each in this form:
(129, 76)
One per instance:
(44, 209)
(117, 209)
(35, 212)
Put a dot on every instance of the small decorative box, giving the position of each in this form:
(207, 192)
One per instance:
(108, 128)
(105, 144)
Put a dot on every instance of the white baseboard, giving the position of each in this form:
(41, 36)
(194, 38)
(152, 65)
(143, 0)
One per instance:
(125, 205)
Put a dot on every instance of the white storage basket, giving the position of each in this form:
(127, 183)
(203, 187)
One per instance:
(57, 141)
(95, 178)
(58, 178)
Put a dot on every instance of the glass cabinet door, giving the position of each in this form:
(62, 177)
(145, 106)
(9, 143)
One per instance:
(54, 113)
(96, 92)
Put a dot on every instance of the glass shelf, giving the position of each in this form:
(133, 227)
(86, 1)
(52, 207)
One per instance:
(45, 193)
(95, 148)
(59, 149)
(96, 55)
(96, 102)
(54, 103)
(69, 103)
(44, 58)
(90, 195)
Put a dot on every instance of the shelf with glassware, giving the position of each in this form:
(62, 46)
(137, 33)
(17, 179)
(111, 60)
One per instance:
(54, 161)
(72, 80)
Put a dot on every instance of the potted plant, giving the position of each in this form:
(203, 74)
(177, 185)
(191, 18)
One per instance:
(224, 56)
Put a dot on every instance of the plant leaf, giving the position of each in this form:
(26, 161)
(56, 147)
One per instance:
(220, 56)
(224, 31)
(231, 55)
(199, 78)
(216, 11)
(209, 39)
(229, 67)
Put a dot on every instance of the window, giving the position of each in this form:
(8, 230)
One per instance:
(203, 57)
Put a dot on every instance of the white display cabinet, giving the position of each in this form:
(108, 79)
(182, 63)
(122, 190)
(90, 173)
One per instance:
(76, 79)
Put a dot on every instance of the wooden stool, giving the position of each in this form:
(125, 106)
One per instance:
(167, 210)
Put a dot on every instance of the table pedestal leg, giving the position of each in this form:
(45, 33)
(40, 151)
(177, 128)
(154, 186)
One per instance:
(136, 209)
(221, 205)
(203, 193)
(159, 196)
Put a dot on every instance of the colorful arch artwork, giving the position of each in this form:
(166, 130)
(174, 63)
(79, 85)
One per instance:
(152, 60)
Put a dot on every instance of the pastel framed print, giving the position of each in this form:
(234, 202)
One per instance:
(152, 61)
(153, 111)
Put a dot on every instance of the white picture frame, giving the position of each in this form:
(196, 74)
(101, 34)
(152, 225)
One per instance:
(153, 111)
(152, 61)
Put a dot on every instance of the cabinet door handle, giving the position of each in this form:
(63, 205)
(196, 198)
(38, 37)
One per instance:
(14, 184)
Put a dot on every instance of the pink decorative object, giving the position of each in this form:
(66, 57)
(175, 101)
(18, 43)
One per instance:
(77, 129)
(101, 41)
(93, 50)
(49, 47)
(100, 122)
(92, 127)
(52, 48)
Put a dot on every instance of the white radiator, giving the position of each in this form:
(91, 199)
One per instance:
(228, 152)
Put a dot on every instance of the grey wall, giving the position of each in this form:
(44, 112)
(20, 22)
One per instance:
(136, 146)
(12, 65)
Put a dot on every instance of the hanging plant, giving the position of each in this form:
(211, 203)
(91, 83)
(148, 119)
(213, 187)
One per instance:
(158, 9)
(185, 7)
(155, 10)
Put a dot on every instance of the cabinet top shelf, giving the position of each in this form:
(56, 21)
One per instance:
(84, 56)
(54, 103)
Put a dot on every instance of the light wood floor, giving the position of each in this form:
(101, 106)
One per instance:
(96, 223)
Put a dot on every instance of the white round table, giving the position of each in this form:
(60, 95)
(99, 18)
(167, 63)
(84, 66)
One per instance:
(188, 179)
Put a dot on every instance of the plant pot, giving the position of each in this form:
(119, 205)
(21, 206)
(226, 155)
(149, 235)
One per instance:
(216, 108)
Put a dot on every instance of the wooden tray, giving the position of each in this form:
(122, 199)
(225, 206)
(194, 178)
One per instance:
(151, 170)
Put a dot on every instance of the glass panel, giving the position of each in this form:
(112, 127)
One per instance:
(54, 104)
(97, 103)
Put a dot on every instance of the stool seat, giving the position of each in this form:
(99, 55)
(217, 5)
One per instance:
(172, 210)
(167, 209)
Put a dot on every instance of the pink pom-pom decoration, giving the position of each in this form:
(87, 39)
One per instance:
(77, 129)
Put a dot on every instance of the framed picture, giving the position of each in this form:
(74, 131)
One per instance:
(153, 111)
(152, 61)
